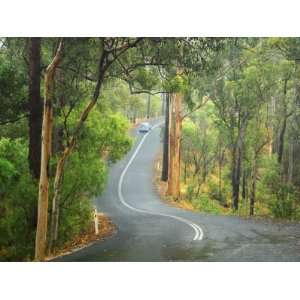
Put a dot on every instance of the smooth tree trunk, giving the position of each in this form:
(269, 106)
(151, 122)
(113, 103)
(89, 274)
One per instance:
(35, 107)
(164, 175)
(42, 220)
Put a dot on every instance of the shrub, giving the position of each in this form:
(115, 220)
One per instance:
(104, 138)
(190, 192)
(18, 193)
(282, 196)
(214, 193)
(282, 203)
(205, 204)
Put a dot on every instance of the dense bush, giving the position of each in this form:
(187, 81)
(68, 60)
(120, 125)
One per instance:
(104, 138)
(18, 194)
(205, 204)
(282, 196)
(215, 193)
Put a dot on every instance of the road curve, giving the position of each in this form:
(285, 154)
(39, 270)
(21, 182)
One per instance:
(150, 230)
(197, 229)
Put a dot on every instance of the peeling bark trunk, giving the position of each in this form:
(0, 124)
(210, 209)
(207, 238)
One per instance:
(42, 221)
(177, 154)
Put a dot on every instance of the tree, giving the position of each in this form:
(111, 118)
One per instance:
(35, 106)
(107, 47)
(41, 231)
(165, 163)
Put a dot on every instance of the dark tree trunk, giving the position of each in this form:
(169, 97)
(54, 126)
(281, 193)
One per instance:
(236, 178)
(244, 188)
(281, 141)
(283, 127)
(35, 107)
(253, 189)
(291, 161)
(237, 162)
(165, 164)
(220, 163)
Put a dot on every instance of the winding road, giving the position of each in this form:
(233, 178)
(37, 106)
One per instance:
(150, 230)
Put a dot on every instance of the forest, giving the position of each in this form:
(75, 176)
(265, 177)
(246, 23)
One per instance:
(230, 139)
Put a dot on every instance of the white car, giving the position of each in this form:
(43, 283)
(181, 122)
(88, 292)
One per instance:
(145, 127)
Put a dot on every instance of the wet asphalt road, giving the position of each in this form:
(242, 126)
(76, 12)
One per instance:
(167, 233)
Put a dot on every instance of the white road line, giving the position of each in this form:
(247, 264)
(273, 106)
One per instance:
(198, 231)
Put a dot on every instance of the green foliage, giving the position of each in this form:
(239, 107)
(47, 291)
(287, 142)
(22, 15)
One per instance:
(282, 197)
(289, 47)
(215, 193)
(104, 138)
(107, 134)
(146, 78)
(18, 193)
(281, 205)
(253, 91)
(207, 205)
(251, 84)
(177, 84)
(117, 97)
(13, 90)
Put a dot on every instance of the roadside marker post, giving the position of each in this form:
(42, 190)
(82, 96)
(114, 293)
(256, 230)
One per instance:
(96, 221)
